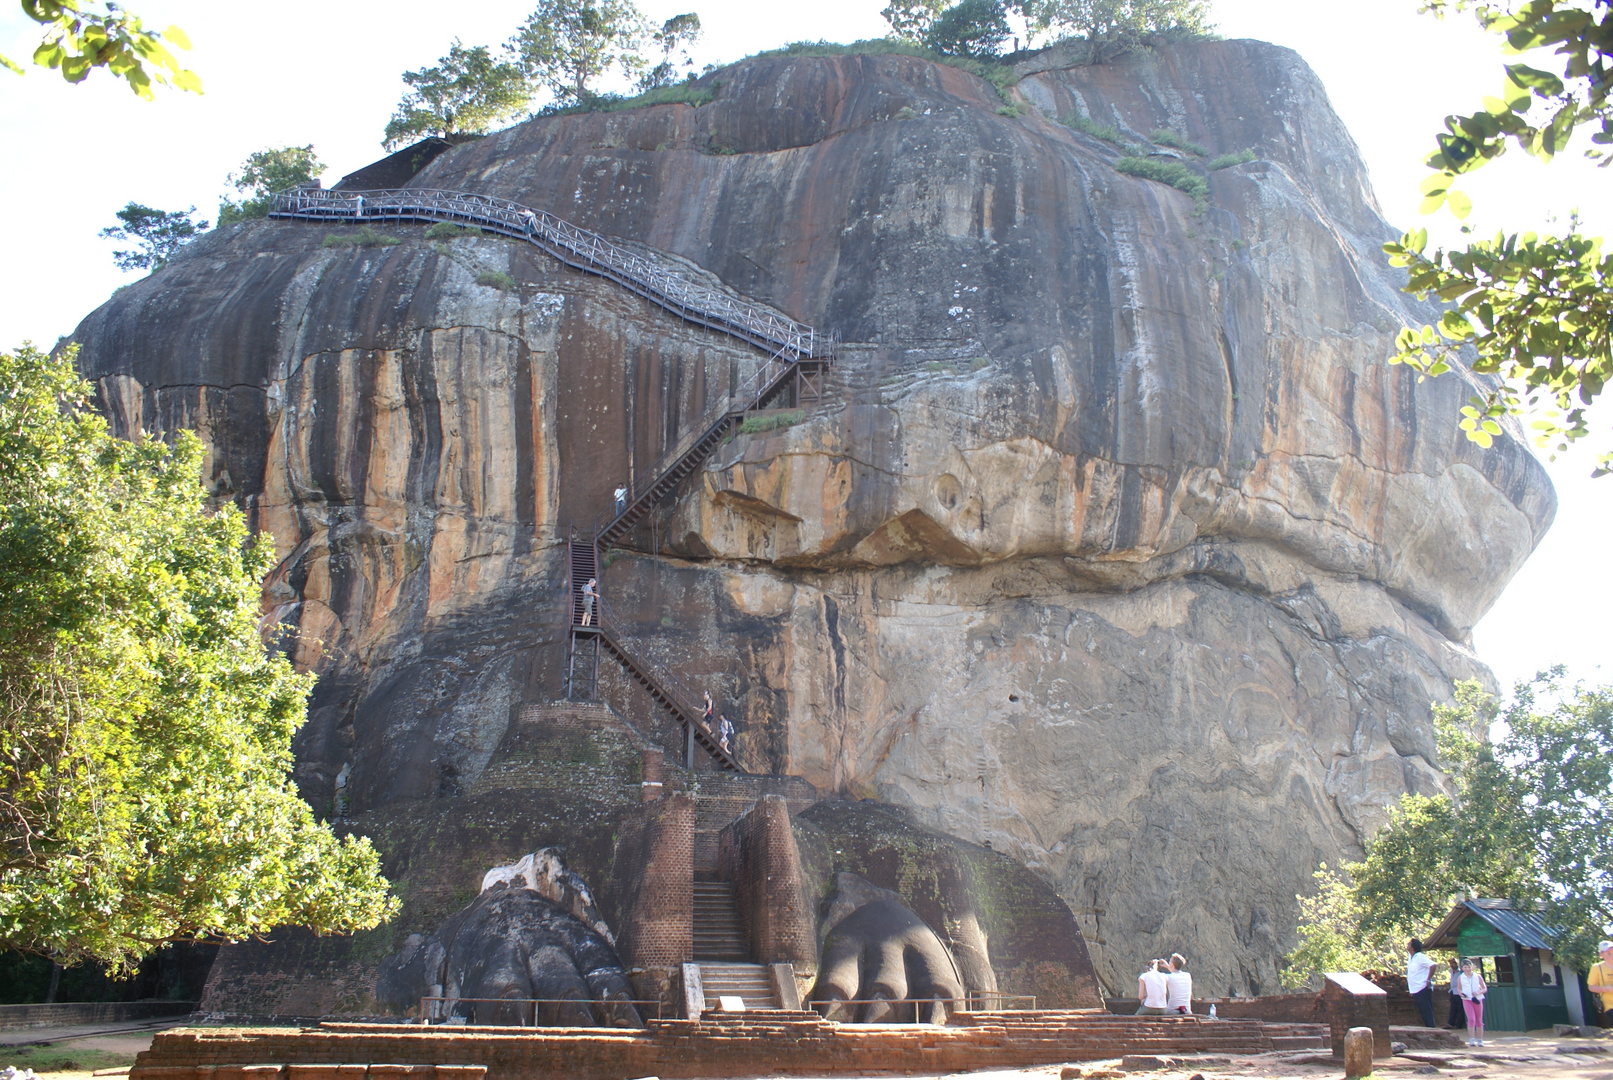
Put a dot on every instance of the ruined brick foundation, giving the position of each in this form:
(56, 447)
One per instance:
(779, 1043)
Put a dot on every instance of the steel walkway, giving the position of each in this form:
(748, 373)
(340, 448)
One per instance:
(692, 301)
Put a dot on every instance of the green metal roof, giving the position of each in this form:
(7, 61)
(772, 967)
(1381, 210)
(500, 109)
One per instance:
(1526, 929)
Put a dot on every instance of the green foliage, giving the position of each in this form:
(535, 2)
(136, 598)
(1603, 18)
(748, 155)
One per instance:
(365, 237)
(496, 279)
(684, 93)
(1331, 937)
(1529, 818)
(1109, 133)
(447, 230)
(157, 234)
(1174, 173)
(1169, 138)
(674, 37)
(1533, 308)
(265, 173)
(78, 40)
(753, 425)
(466, 93)
(973, 28)
(145, 732)
(1012, 109)
(1117, 22)
(567, 44)
(1000, 76)
(1226, 161)
(64, 1058)
(910, 20)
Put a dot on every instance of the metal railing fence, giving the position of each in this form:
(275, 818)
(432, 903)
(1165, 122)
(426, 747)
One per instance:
(571, 244)
(528, 1012)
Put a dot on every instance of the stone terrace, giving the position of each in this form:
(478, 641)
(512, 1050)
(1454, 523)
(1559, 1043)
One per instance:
(782, 1043)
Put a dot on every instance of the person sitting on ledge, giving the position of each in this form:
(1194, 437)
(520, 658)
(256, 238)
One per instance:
(1153, 990)
(1178, 986)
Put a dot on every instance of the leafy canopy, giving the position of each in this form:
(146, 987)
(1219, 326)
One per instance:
(156, 234)
(467, 92)
(674, 37)
(1116, 22)
(144, 729)
(1529, 818)
(1535, 309)
(974, 28)
(910, 20)
(79, 39)
(566, 45)
(263, 174)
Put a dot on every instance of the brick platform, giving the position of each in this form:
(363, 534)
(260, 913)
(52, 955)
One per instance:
(784, 1043)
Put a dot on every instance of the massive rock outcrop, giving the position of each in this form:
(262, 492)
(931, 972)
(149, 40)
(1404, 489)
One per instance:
(1117, 546)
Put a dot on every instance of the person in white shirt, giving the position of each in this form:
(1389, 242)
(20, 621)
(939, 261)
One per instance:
(1178, 986)
(1419, 972)
(1152, 990)
(1470, 984)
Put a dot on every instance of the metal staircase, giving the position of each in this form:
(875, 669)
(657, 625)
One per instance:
(797, 357)
(603, 634)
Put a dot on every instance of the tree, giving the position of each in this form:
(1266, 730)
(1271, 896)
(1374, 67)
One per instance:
(675, 36)
(566, 45)
(77, 41)
(1529, 818)
(1534, 309)
(465, 94)
(1331, 937)
(145, 731)
(910, 20)
(265, 173)
(159, 234)
(974, 28)
(1117, 22)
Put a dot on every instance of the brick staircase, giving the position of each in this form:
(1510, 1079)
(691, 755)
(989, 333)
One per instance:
(1299, 1036)
(752, 983)
(718, 934)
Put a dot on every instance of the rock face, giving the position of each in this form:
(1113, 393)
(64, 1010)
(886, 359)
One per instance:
(1116, 545)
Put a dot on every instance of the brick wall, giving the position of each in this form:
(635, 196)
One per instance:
(655, 871)
(757, 853)
(781, 1044)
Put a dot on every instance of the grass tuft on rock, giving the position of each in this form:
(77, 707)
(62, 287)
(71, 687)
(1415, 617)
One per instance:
(447, 230)
(365, 237)
(1174, 173)
(1164, 137)
(496, 279)
(1226, 161)
(753, 425)
(1107, 132)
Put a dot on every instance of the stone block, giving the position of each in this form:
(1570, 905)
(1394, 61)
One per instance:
(1358, 1052)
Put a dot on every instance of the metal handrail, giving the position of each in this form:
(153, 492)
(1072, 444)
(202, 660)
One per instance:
(748, 396)
(576, 246)
(442, 1008)
(670, 684)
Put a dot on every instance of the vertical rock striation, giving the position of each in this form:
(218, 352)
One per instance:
(1116, 547)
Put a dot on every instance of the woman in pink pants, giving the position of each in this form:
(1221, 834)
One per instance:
(1470, 985)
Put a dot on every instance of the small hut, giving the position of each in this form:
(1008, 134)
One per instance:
(1529, 987)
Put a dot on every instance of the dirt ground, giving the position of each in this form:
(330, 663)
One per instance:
(1511, 1058)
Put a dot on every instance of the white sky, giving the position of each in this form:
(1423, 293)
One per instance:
(76, 155)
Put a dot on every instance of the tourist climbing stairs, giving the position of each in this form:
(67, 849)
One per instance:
(719, 935)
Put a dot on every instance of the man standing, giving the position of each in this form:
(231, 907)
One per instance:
(620, 498)
(1419, 972)
(1600, 982)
